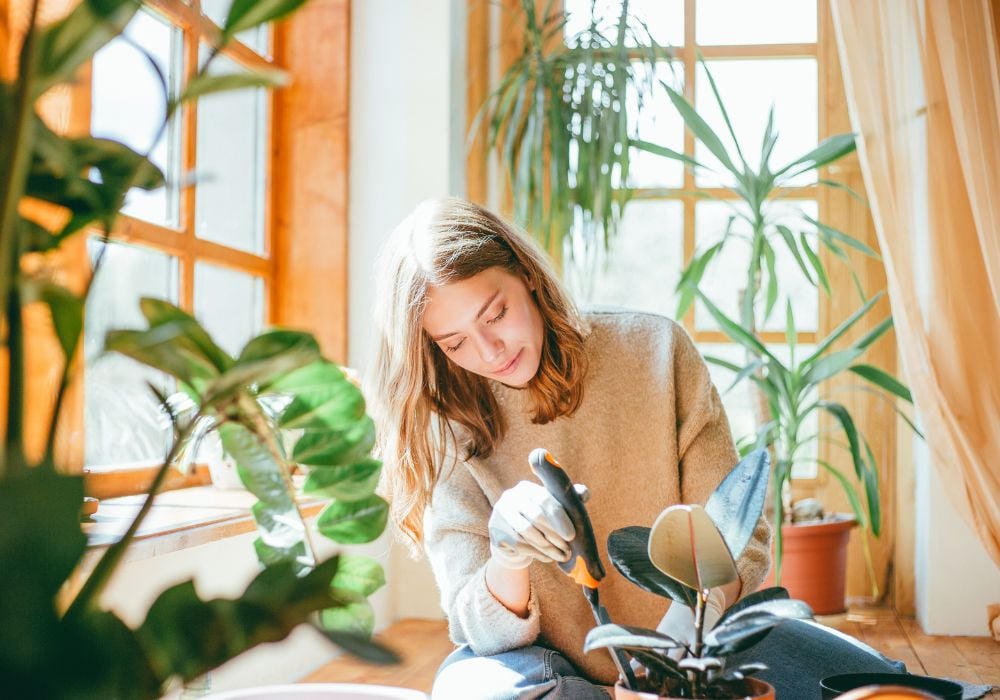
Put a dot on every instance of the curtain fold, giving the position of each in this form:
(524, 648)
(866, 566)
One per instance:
(923, 88)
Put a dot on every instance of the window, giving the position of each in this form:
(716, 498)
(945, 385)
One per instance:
(205, 247)
(755, 61)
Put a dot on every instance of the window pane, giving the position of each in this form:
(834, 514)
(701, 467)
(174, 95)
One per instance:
(742, 22)
(644, 264)
(128, 105)
(256, 38)
(748, 89)
(726, 275)
(739, 400)
(658, 122)
(123, 422)
(229, 196)
(229, 304)
(664, 19)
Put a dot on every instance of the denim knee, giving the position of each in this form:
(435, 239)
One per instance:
(520, 674)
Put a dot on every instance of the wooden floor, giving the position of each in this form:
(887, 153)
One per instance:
(423, 644)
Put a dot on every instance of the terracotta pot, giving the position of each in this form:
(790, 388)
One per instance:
(757, 690)
(814, 563)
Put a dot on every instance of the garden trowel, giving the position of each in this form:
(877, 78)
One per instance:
(584, 564)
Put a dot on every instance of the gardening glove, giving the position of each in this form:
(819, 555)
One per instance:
(679, 621)
(528, 524)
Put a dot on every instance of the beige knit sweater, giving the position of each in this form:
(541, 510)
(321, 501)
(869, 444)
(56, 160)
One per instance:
(651, 432)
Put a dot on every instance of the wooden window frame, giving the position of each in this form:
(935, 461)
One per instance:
(306, 214)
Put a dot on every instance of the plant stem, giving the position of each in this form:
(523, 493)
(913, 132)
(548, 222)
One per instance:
(99, 577)
(13, 173)
(699, 629)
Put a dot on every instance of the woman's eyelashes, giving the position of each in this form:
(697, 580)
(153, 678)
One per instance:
(495, 319)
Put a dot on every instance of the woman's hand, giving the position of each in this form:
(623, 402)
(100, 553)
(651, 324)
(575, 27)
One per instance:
(528, 524)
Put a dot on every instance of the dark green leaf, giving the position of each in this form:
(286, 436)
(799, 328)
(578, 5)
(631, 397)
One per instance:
(736, 504)
(740, 634)
(67, 316)
(884, 380)
(354, 522)
(359, 646)
(628, 549)
(626, 637)
(852, 495)
(246, 14)
(761, 596)
(839, 331)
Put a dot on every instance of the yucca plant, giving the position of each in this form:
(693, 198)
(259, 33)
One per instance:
(792, 393)
(59, 642)
(688, 551)
(562, 123)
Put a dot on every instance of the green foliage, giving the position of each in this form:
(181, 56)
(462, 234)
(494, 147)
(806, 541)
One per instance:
(279, 392)
(755, 189)
(656, 561)
(791, 392)
(559, 120)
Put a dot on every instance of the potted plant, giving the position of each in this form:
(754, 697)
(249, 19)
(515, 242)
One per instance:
(57, 640)
(687, 552)
(562, 121)
(792, 392)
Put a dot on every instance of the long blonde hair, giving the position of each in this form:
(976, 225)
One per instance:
(417, 397)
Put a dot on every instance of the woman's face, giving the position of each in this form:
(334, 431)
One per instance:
(488, 324)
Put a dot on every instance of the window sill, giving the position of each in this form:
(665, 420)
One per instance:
(179, 519)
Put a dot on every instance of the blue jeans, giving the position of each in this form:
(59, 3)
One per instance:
(798, 653)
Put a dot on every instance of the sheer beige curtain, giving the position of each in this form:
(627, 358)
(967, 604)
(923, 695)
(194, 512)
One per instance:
(923, 89)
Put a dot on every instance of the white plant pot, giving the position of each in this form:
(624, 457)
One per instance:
(320, 691)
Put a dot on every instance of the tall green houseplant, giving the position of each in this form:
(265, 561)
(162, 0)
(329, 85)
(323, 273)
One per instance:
(56, 642)
(562, 122)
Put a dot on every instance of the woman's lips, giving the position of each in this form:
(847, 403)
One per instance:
(510, 366)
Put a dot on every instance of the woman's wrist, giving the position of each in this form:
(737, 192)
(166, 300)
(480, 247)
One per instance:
(509, 586)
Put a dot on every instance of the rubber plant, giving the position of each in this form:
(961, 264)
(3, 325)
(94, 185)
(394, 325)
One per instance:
(792, 392)
(562, 121)
(57, 640)
(688, 551)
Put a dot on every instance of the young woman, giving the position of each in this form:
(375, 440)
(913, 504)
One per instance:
(482, 357)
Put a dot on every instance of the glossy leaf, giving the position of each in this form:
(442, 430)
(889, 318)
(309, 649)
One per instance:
(348, 482)
(685, 545)
(740, 634)
(354, 522)
(626, 637)
(358, 573)
(737, 503)
(628, 549)
(762, 596)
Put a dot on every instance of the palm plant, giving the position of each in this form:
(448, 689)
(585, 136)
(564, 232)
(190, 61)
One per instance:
(57, 642)
(792, 391)
(561, 121)
(688, 551)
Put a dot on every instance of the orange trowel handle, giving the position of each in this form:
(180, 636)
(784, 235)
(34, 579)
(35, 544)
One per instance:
(584, 565)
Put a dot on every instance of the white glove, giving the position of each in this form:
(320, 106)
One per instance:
(528, 523)
(679, 621)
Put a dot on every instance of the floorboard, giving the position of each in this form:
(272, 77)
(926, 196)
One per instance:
(423, 644)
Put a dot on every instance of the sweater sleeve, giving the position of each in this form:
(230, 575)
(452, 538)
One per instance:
(706, 452)
(458, 546)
